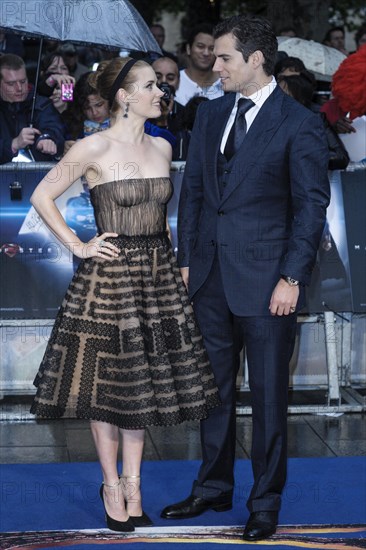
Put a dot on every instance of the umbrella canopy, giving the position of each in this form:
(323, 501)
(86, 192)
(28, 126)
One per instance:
(322, 60)
(107, 23)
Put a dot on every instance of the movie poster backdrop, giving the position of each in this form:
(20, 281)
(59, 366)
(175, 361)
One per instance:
(36, 269)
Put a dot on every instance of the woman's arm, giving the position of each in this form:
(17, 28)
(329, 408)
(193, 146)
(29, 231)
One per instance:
(73, 165)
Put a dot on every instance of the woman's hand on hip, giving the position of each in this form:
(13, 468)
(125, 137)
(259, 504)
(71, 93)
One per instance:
(98, 247)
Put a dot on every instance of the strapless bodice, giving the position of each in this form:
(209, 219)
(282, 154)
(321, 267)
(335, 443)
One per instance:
(131, 206)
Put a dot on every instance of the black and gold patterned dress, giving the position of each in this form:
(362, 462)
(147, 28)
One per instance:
(125, 347)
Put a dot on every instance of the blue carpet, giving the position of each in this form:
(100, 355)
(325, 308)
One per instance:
(53, 497)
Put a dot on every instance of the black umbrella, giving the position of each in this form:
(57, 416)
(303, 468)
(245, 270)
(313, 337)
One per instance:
(107, 23)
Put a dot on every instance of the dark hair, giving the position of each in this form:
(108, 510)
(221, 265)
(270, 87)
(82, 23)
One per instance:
(300, 86)
(289, 62)
(49, 58)
(74, 115)
(157, 25)
(204, 28)
(360, 32)
(12, 62)
(286, 29)
(329, 33)
(190, 110)
(251, 34)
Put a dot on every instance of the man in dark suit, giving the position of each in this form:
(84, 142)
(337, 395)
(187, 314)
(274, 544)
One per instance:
(252, 211)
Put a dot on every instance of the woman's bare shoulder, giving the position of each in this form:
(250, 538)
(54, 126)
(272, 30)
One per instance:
(163, 146)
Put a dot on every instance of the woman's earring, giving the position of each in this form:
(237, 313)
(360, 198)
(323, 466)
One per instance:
(126, 110)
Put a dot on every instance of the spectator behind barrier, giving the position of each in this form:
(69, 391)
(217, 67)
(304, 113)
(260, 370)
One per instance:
(360, 36)
(158, 32)
(45, 137)
(198, 78)
(288, 65)
(70, 55)
(167, 74)
(347, 110)
(335, 39)
(184, 134)
(54, 73)
(302, 87)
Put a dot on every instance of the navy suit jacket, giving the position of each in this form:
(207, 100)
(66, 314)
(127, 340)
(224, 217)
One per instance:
(271, 216)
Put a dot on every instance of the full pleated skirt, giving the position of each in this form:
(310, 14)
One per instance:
(125, 347)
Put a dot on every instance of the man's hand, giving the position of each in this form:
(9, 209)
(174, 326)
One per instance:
(344, 126)
(184, 271)
(284, 298)
(47, 147)
(26, 137)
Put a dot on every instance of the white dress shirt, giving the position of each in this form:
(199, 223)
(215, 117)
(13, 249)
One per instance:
(259, 97)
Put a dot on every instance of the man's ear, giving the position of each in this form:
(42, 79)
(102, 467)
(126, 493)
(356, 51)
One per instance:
(257, 58)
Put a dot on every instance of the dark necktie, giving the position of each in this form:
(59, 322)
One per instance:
(239, 128)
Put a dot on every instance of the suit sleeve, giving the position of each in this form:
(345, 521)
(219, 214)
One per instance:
(310, 195)
(190, 202)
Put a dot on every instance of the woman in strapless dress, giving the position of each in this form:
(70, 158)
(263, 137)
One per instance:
(125, 351)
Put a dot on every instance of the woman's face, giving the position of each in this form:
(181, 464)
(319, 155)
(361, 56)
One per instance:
(96, 108)
(144, 95)
(58, 66)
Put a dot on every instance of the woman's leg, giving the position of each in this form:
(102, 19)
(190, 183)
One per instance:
(132, 449)
(106, 439)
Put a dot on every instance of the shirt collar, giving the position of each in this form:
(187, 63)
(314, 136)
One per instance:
(260, 96)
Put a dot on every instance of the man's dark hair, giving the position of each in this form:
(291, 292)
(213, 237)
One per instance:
(328, 35)
(205, 28)
(360, 32)
(12, 62)
(251, 34)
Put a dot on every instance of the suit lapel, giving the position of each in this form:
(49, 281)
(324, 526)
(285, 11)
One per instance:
(259, 135)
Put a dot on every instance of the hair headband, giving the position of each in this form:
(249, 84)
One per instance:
(120, 78)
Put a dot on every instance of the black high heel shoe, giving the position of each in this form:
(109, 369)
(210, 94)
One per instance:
(113, 524)
(138, 521)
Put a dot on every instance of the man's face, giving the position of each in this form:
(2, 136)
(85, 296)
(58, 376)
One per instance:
(337, 40)
(235, 74)
(13, 85)
(166, 70)
(159, 34)
(201, 52)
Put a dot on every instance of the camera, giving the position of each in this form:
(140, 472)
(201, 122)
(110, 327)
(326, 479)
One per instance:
(67, 92)
(168, 91)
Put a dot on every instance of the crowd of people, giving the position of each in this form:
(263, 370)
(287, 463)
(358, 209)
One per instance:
(186, 79)
(139, 341)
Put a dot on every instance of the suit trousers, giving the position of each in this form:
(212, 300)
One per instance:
(269, 343)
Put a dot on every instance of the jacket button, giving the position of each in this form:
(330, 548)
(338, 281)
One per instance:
(221, 212)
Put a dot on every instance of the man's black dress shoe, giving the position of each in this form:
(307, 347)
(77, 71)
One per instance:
(260, 525)
(195, 506)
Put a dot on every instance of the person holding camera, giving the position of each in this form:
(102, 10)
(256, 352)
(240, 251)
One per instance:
(167, 74)
(56, 81)
(44, 134)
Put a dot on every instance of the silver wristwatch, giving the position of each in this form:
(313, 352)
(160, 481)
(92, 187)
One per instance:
(290, 281)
